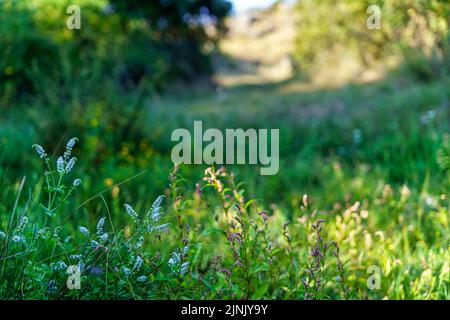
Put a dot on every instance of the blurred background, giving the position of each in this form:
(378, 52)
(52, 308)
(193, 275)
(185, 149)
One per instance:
(356, 108)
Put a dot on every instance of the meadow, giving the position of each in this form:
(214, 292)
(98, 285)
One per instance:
(359, 208)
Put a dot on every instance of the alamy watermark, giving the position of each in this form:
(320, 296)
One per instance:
(74, 20)
(374, 20)
(374, 280)
(236, 147)
(74, 277)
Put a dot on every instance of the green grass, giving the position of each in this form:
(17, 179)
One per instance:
(373, 160)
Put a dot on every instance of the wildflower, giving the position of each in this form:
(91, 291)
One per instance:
(40, 151)
(184, 268)
(364, 214)
(174, 260)
(162, 227)
(156, 214)
(104, 237)
(18, 239)
(71, 143)
(100, 224)
(52, 287)
(142, 278)
(69, 146)
(76, 182)
(81, 266)
(70, 165)
(138, 263)
(126, 270)
(60, 165)
(44, 233)
(95, 244)
(139, 242)
(405, 192)
(84, 231)
(100, 246)
(156, 209)
(23, 223)
(226, 271)
(2, 235)
(60, 265)
(131, 212)
(75, 256)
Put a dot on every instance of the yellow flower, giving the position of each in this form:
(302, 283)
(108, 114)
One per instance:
(109, 182)
(115, 192)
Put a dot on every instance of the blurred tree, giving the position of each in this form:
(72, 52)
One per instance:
(184, 27)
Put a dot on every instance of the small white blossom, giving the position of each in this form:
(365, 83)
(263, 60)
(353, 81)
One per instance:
(126, 270)
(69, 148)
(77, 182)
(44, 233)
(138, 263)
(60, 165)
(70, 165)
(184, 268)
(71, 143)
(23, 223)
(52, 287)
(60, 265)
(104, 237)
(100, 224)
(40, 151)
(162, 227)
(84, 231)
(131, 212)
(18, 238)
(140, 242)
(142, 278)
(94, 243)
(156, 209)
(2, 235)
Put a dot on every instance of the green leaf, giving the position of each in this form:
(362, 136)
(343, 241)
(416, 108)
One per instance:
(259, 293)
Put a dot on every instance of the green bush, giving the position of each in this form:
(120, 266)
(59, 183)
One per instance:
(415, 30)
(112, 45)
